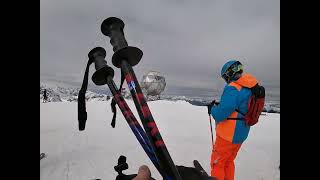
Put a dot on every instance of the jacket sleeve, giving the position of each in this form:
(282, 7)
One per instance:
(228, 104)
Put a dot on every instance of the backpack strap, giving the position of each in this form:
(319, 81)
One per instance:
(241, 119)
(238, 118)
(240, 112)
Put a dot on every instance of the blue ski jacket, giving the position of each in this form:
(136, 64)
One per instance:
(235, 96)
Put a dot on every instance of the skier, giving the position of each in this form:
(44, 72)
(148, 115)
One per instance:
(230, 133)
(45, 97)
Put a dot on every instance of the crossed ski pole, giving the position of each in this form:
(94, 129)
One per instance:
(104, 75)
(125, 57)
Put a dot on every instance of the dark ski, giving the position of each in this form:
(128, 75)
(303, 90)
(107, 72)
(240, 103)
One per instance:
(198, 166)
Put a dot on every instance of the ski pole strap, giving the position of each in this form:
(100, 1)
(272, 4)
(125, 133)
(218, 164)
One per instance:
(114, 110)
(82, 113)
(113, 103)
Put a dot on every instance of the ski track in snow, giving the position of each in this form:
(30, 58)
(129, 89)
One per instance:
(90, 154)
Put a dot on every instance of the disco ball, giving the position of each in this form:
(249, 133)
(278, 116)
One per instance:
(153, 83)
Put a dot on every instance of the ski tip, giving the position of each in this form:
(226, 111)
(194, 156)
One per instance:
(196, 162)
(198, 166)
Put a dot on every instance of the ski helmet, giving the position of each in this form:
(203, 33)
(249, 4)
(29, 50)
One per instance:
(231, 70)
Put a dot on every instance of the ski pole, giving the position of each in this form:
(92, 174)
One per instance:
(211, 131)
(133, 123)
(104, 75)
(125, 57)
(210, 120)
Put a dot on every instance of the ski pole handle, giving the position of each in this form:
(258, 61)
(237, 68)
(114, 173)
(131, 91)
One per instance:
(103, 71)
(113, 28)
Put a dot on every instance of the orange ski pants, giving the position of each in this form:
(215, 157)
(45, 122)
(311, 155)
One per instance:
(222, 159)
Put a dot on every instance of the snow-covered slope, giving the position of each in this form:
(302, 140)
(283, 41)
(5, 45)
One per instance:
(74, 155)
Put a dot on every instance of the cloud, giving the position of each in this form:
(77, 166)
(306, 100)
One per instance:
(188, 41)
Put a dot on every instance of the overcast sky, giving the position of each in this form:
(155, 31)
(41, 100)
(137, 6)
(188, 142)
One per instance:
(188, 41)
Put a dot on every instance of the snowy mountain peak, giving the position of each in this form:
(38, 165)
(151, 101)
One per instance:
(63, 94)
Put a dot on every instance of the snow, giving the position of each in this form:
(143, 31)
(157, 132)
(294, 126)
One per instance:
(89, 154)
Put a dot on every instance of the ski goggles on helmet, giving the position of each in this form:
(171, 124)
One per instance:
(236, 67)
(230, 72)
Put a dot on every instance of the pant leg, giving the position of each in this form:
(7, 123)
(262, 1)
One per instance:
(221, 153)
(229, 165)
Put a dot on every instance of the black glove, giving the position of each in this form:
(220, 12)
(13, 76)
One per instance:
(210, 106)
